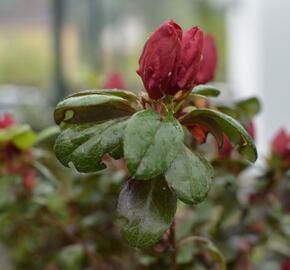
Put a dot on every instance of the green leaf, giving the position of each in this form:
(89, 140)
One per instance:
(151, 144)
(84, 145)
(205, 90)
(21, 136)
(214, 252)
(190, 176)
(250, 107)
(229, 111)
(148, 208)
(238, 136)
(130, 96)
(91, 108)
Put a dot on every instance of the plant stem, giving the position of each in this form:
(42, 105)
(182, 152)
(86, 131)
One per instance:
(172, 240)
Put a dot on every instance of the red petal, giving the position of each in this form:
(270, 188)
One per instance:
(209, 61)
(199, 132)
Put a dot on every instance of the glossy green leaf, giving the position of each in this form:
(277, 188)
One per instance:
(21, 136)
(148, 209)
(130, 96)
(151, 144)
(205, 90)
(84, 145)
(250, 107)
(238, 136)
(92, 108)
(190, 176)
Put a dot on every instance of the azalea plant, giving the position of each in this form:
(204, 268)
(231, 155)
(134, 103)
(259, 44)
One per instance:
(154, 134)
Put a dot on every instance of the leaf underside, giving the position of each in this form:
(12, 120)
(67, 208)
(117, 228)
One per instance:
(205, 90)
(238, 136)
(212, 127)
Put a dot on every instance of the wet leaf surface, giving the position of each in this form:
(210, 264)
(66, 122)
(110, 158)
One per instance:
(148, 209)
(84, 145)
(190, 176)
(151, 144)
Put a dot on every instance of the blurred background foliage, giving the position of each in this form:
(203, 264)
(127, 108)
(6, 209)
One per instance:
(61, 46)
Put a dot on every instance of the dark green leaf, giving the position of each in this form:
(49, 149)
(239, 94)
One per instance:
(21, 136)
(234, 131)
(84, 145)
(117, 152)
(151, 144)
(205, 90)
(250, 107)
(148, 208)
(92, 108)
(130, 96)
(190, 176)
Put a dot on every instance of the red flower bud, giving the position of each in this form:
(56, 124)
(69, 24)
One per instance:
(286, 265)
(188, 65)
(281, 144)
(158, 58)
(114, 81)
(209, 61)
(7, 121)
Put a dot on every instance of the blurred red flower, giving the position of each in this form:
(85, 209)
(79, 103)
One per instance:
(281, 144)
(114, 81)
(286, 265)
(14, 160)
(7, 120)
